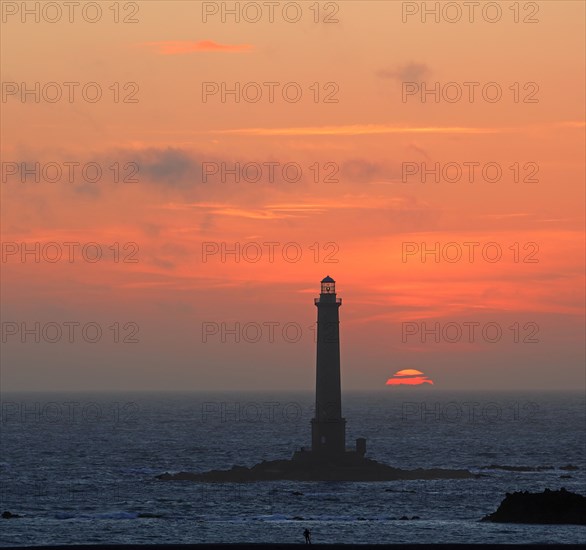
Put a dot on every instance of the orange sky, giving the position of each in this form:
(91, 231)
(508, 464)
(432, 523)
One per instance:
(368, 212)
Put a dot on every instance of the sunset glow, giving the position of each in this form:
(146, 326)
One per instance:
(292, 272)
(240, 162)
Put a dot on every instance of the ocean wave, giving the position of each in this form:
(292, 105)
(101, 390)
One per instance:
(507, 468)
(140, 471)
(107, 515)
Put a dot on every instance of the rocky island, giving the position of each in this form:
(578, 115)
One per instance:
(342, 468)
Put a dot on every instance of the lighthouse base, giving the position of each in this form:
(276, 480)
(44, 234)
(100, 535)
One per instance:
(345, 458)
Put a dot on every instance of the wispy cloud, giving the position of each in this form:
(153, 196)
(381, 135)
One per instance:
(504, 216)
(230, 210)
(180, 47)
(288, 210)
(361, 129)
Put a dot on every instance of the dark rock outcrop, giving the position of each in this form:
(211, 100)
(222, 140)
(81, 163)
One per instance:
(549, 507)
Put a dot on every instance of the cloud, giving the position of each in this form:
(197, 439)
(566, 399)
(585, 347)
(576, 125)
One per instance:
(572, 124)
(410, 72)
(180, 47)
(395, 214)
(229, 210)
(167, 166)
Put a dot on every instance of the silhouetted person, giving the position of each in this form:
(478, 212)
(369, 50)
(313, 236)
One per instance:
(307, 535)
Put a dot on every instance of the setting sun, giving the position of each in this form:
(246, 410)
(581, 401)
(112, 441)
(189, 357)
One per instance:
(409, 377)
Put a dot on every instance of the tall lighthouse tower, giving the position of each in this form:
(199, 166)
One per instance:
(328, 428)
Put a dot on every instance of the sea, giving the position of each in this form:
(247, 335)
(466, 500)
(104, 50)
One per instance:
(80, 468)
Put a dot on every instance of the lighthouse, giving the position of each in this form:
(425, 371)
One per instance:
(328, 428)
